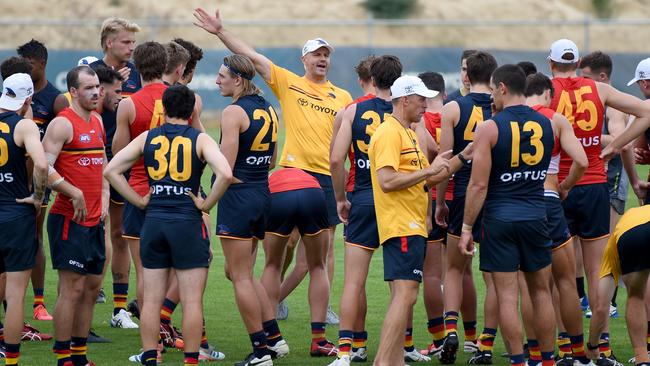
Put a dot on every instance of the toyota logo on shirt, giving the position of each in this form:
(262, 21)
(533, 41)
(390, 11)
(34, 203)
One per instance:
(84, 161)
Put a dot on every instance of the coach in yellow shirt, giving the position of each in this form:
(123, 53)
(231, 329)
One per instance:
(626, 256)
(399, 172)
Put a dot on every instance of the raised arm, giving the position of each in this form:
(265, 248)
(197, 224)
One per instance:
(214, 24)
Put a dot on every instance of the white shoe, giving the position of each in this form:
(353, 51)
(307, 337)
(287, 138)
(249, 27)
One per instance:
(331, 318)
(360, 355)
(282, 312)
(210, 354)
(343, 361)
(470, 347)
(251, 360)
(123, 320)
(416, 356)
(280, 349)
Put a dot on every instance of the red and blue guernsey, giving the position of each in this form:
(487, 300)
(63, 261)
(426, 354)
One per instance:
(474, 109)
(577, 99)
(81, 162)
(433, 124)
(369, 115)
(43, 106)
(13, 171)
(173, 169)
(257, 143)
(520, 160)
(149, 113)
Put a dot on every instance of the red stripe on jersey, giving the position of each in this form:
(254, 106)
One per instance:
(433, 124)
(577, 99)
(148, 114)
(349, 184)
(291, 179)
(83, 168)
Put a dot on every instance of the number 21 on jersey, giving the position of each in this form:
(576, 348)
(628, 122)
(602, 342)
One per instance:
(269, 121)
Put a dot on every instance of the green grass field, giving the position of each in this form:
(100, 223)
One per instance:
(226, 330)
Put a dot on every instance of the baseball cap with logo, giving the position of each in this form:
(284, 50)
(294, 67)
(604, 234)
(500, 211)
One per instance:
(409, 85)
(86, 60)
(642, 71)
(560, 48)
(314, 44)
(15, 90)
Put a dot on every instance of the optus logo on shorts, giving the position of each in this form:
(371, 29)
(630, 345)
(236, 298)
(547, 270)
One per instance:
(76, 264)
(417, 272)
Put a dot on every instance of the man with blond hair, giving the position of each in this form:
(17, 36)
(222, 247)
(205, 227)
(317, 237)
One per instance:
(118, 43)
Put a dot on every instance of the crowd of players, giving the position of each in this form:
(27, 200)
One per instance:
(532, 168)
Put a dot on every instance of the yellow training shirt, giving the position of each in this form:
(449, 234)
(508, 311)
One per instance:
(308, 110)
(632, 218)
(403, 212)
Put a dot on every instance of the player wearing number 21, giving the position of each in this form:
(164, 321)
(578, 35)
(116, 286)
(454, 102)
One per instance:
(582, 101)
(173, 234)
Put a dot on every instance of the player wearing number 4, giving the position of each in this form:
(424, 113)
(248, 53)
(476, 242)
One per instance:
(586, 207)
(173, 234)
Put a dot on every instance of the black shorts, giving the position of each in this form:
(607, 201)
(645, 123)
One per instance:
(515, 246)
(633, 249)
(46, 197)
(557, 227)
(74, 247)
(132, 221)
(325, 182)
(18, 244)
(362, 222)
(301, 208)
(116, 197)
(174, 243)
(404, 258)
(456, 212)
(438, 234)
(243, 211)
(586, 209)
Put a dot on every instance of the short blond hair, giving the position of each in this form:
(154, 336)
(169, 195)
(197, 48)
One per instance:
(113, 25)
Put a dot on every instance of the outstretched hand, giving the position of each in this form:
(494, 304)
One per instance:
(211, 23)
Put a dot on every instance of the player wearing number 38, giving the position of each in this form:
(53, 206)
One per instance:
(173, 234)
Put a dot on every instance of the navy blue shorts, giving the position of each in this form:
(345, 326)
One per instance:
(438, 234)
(18, 244)
(243, 211)
(74, 247)
(174, 243)
(362, 223)
(301, 208)
(116, 197)
(515, 246)
(557, 226)
(325, 182)
(586, 209)
(46, 197)
(456, 212)
(633, 249)
(132, 221)
(404, 258)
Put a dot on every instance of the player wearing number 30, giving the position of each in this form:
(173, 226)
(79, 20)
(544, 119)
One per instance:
(173, 233)
(512, 154)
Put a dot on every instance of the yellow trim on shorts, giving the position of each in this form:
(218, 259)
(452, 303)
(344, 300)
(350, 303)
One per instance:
(592, 239)
(316, 233)
(563, 244)
(278, 234)
(130, 237)
(453, 236)
(372, 250)
(117, 203)
(235, 237)
(435, 241)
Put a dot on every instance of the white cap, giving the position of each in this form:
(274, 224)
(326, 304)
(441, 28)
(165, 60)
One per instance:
(15, 91)
(561, 47)
(87, 60)
(314, 44)
(408, 85)
(642, 71)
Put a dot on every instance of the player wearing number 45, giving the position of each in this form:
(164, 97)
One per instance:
(173, 234)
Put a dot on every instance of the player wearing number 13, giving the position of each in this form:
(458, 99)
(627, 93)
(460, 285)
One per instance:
(511, 157)
(173, 233)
